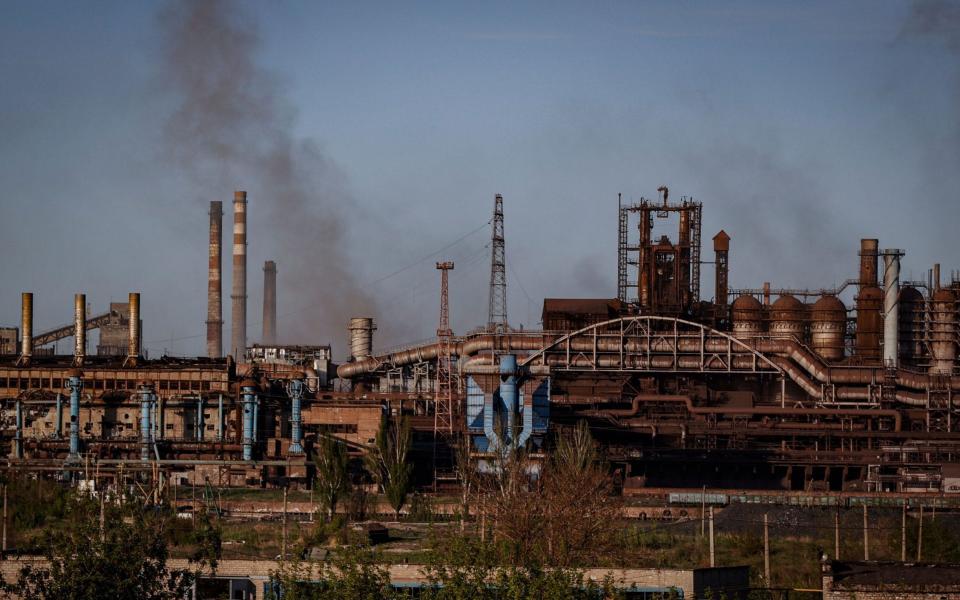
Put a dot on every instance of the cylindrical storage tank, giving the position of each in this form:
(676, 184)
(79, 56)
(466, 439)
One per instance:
(911, 306)
(747, 316)
(361, 337)
(787, 316)
(943, 328)
(869, 323)
(828, 324)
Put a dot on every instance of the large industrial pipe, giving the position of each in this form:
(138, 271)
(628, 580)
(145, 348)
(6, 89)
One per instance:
(133, 328)
(199, 425)
(26, 328)
(58, 431)
(296, 433)
(238, 337)
(248, 390)
(269, 303)
(508, 393)
(75, 383)
(215, 282)
(79, 329)
(891, 296)
(146, 427)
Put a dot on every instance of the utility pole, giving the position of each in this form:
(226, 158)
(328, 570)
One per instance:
(766, 549)
(497, 314)
(866, 538)
(903, 534)
(3, 552)
(920, 537)
(283, 546)
(703, 511)
(713, 558)
(836, 533)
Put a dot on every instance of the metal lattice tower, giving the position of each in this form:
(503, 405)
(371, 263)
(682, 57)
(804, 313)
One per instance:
(497, 316)
(443, 402)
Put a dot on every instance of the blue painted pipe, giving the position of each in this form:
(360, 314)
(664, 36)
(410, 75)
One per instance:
(256, 417)
(296, 433)
(249, 394)
(18, 441)
(75, 383)
(146, 427)
(59, 430)
(508, 393)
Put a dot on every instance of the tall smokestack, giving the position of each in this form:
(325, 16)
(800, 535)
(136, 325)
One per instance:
(238, 339)
(269, 303)
(215, 283)
(133, 332)
(891, 295)
(26, 328)
(721, 248)
(79, 329)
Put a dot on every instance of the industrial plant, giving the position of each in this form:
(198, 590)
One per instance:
(750, 389)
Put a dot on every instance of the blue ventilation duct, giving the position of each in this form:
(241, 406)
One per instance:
(75, 383)
(146, 427)
(295, 391)
(249, 393)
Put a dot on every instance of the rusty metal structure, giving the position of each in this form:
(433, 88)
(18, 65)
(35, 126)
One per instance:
(846, 389)
(497, 310)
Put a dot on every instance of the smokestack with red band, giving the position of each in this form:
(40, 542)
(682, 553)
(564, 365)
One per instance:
(215, 283)
(269, 303)
(79, 329)
(238, 339)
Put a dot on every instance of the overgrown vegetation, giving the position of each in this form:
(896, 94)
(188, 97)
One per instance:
(333, 477)
(388, 461)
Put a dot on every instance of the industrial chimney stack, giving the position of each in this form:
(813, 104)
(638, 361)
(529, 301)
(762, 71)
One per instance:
(215, 283)
(79, 329)
(269, 303)
(238, 339)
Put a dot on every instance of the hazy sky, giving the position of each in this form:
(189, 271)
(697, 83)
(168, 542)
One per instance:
(801, 127)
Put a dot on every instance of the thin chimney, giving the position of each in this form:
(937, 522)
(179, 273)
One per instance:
(215, 283)
(238, 340)
(269, 303)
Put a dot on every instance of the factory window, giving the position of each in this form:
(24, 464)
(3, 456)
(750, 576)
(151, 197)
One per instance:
(169, 426)
(126, 415)
(3, 382)
(34, 382)
(195, 385)
(209, 427)
(110, 384)
(338, 427)
(57, 383)
(164, 384)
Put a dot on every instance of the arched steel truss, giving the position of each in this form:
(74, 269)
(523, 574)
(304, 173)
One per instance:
(651, 344)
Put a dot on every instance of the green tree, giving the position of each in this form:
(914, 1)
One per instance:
(387, 461)
(125, 560)
(333, 479)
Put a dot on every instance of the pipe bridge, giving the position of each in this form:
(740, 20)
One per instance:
(66, 331)
(651, 344)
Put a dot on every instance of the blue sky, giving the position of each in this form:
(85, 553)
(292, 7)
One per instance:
(801, 127)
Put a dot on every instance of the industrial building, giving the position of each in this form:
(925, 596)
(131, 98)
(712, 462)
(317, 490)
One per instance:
(756, 388)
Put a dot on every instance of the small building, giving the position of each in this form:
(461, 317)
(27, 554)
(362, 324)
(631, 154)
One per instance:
(873, 580)
(571, 314)
(9, 337)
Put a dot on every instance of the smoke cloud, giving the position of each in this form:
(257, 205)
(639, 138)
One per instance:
(232, 129)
